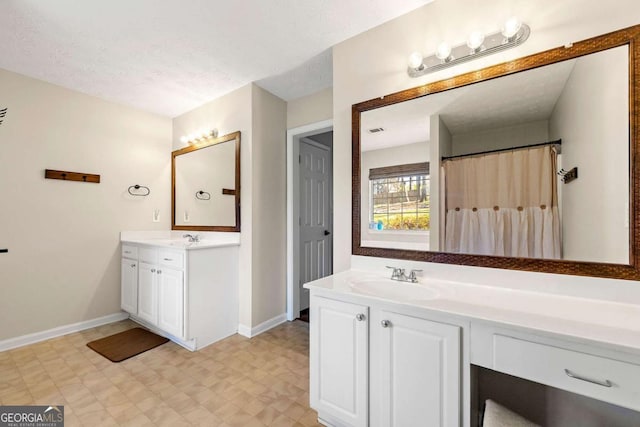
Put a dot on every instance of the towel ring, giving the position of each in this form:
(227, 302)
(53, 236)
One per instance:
(203, 195)
(138, 187)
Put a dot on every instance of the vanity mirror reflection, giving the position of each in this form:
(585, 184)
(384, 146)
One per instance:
(206, 185)
(482, 169)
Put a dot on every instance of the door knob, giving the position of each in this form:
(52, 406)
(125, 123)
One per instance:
(385, 323)
(327, 232)
(360, 317)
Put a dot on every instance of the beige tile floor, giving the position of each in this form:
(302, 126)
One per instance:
(262, 381)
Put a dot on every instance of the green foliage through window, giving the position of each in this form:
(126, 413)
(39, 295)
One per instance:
(401, 203)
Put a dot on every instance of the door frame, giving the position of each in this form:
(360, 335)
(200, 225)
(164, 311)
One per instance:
(293, 209)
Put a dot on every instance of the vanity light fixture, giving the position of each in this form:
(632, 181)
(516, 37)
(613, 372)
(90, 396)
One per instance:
(197, 137)
(513, 33)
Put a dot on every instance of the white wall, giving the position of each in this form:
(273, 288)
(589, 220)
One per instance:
(269, 206)
(591, 117)
(374, 63)
(63, 264)
(230, 113)
(506, 137)
(440, 146)
(399, 155)
(310, 109)
(261, 119)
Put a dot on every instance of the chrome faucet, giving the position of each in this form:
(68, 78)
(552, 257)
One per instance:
(400, 275)
(193, 238)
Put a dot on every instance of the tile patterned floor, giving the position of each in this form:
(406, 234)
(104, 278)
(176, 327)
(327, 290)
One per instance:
(262, 381)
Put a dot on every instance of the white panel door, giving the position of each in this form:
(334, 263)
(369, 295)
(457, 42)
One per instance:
(148, 293)
(171, 301)
(129, 286)
(418, 364)
(315, 216)
(339, 360)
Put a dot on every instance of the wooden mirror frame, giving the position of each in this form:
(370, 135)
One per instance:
(629, 36)
(208, 143)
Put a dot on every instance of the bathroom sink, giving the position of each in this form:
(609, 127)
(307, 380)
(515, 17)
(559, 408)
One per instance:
(391, 289)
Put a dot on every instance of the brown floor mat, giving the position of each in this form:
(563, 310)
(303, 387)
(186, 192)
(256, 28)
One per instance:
(126, 344)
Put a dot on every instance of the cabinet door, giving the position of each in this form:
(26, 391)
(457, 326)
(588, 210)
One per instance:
(339, 360)
(129, 286)
(419, 371)
(148, 293)
(171, 301)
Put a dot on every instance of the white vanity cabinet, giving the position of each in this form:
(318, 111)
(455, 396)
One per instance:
(190, 296)
(129, 279)
(374, 366)
(339, 354)
(161, 289)
(415, 371)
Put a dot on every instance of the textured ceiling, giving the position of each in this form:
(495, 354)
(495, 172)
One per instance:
(519, 98)
(169, 57)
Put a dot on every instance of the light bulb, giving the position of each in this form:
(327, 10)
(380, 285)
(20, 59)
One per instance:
(184, 139)
(443, 52)
(475, 40)
(415, 60)
(204, 134)
(511, 27)
(193, 138)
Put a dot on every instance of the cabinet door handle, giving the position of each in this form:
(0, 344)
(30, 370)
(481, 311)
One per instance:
(133, 265)
(360, 317)
(168, 259)
(385, 323)
(603, 383)
(127, 252)
(153, 270)
(159, 271)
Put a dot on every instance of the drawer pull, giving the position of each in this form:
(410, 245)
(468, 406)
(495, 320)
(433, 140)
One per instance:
(168, 259)
(385, 323)
(153, 270)
(133, 265)
(605, 383)
(360, 317)
(127, 252)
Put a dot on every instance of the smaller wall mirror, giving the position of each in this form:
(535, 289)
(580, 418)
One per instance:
(206, 185)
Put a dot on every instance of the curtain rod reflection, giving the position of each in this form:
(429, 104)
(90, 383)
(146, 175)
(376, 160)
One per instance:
(556, 142)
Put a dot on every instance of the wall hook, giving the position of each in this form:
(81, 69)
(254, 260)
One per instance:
(568, 176)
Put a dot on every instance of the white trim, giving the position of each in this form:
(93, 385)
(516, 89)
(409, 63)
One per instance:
(262, 327)
(190, 345)
(293, 292)
(315, 144)
(23, 340)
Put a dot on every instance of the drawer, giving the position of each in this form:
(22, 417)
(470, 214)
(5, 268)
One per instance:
(170, 258)
(599, 377)
(149, 255)
(129, 251)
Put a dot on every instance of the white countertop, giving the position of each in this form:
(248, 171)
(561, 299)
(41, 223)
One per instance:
(608, 322)
(174, 240)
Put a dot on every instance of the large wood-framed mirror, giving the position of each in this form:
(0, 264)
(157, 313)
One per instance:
(478, 169)
(205, 185)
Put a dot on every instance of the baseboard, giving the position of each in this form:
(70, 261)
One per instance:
(262, 327)
(23, 340)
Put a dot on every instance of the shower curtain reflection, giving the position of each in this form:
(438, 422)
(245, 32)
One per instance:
(503, 204)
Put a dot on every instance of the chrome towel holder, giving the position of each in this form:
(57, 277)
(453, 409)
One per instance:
(134, 190)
